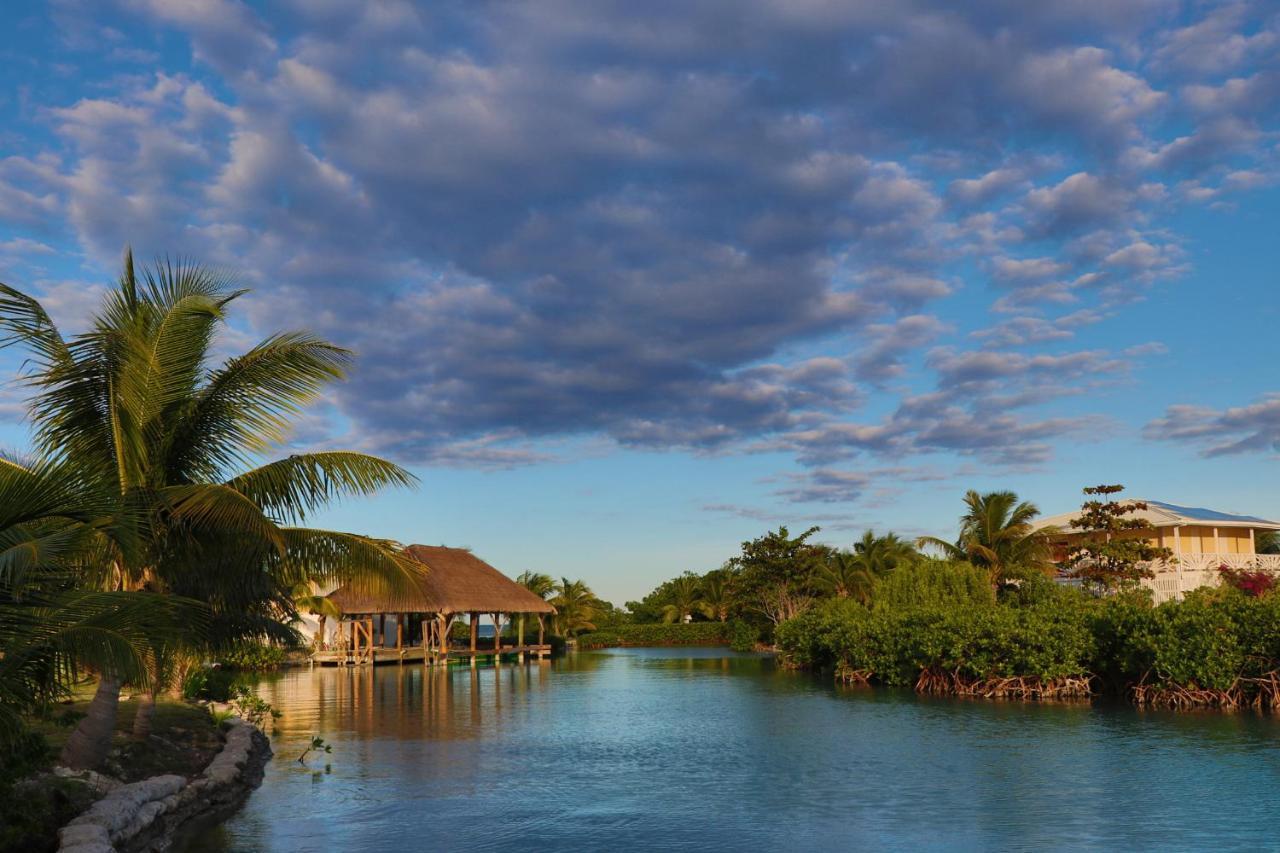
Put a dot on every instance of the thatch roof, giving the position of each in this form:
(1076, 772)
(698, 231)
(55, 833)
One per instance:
(453, 581)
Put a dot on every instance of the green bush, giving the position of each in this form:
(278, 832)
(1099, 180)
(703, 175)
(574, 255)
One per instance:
(937, 583)
(1220, 642)
(254, 657)
(743, 636)
(674, 634)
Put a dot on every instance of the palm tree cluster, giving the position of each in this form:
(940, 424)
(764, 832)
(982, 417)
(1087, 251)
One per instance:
(149, 524)
(577, 607)
(779, 575)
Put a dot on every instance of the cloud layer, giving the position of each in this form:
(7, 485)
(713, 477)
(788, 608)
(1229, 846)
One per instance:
(725, 226)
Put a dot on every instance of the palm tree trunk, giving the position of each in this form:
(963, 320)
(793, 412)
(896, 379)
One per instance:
(146, 715)
(89, 744)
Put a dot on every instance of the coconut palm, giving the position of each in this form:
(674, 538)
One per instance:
(54, 522)
(539, 584)
(717, 597)
(996, 534)
(576, 607)
(880, 555)
(845, 575)
(134, 401)
(683, 595)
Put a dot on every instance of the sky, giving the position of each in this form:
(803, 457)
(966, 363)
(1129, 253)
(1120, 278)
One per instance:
(632, 283)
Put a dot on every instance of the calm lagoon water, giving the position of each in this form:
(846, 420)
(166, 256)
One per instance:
(702, 749)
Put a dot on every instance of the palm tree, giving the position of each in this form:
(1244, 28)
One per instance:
(717, 596)
(880, 555)
(845, 575)
(539, 584)
(134, 402)
(576, 607)
(996, 534)
(682, 598)
(53, 523)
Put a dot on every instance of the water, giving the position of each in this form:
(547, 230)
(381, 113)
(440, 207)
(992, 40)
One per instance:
(701, 749)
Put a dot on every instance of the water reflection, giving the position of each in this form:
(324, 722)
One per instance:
(702, 749)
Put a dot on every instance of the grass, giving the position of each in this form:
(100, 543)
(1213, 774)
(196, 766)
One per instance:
(184, 737)
(184, 740)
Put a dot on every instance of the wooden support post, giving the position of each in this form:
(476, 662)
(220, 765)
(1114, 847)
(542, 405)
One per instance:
(355, 643)
(475, 632)
(399, 630)
(497, 633)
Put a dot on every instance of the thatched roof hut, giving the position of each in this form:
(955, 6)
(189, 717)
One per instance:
(415, 623)
(453, 581)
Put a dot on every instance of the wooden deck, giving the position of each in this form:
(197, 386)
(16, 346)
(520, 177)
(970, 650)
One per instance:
(417, 654)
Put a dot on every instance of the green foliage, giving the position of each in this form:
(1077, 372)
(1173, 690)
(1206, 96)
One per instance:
(251, 707)
(1218, 642)
(933, 583)
(146, 489)
(30, 815)
(668, 634)
(220, 715)
(254, 657)
(317, 744)
(743, 635)
(1113, 551)
(996, 535)
(577, 607)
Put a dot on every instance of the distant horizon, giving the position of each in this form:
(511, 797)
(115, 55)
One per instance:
(628, 288)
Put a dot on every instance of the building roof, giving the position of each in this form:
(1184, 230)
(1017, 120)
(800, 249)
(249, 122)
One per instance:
(1162, 514)
(453, 580)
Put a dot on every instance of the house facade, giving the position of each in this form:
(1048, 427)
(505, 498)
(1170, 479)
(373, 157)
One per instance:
(1201, 541)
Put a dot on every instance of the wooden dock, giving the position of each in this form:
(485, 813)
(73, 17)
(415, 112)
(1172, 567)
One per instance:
(377, 656)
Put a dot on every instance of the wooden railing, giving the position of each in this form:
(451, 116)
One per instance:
(1181, 574)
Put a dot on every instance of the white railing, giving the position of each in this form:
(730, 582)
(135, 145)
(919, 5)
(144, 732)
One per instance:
(1185, 572)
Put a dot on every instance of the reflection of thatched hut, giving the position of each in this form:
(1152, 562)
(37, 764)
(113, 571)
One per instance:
(414, 624)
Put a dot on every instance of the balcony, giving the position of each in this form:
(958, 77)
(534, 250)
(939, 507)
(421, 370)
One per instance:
(1185, 572)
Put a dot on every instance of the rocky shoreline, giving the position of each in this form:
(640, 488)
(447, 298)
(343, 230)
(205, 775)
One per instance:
(147, 816)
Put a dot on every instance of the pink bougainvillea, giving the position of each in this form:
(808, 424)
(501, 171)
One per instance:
(1252, 583)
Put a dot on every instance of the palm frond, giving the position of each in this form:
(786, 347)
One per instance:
(293, 487)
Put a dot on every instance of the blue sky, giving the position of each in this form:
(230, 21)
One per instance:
(633, 283)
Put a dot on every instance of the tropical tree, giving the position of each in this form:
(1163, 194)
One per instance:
(135, 402)
(845, 575)
(54, 521)
(1115, 548)
(879, 555)
(777, 572)
(685, 594)
(576, 607)
(996, 535)
(717, 598)
(539, 584)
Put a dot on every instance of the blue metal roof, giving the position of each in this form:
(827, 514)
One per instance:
(1201, 514)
